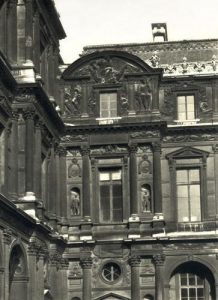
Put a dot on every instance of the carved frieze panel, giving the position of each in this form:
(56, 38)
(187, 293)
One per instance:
(189, 138)
(145, 134)
(109, 149)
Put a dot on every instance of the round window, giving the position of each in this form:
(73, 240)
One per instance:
(111, 272)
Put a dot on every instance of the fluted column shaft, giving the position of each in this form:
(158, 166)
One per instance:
(157, 178)
(36, 42)
(14, 156)
(159, 279)
(29, 150)
(38, 160)
(135, 280)
(133, 179)
(87, 278)
(86, 182)
(29, 29)
(63, 185)
(12, 30)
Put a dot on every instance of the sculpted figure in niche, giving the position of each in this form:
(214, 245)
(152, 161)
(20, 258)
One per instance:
(146, 198)
(75, 202)
(145, 94)
(72, 100)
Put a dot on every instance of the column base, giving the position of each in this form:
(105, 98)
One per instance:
(134, 227)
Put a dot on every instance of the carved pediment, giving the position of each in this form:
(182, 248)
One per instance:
(187, 152)
(112, 296)
(107, 67)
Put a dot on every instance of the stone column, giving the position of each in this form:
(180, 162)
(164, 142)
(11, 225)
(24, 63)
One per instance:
(29, 152)
(63, 182)
(29, 30)
(40, 277)
(54, 274)
(7, 238)
(133, 180)
(215, 149)
(87, 278)
(51, 71)
(3, 27)
(135, 280)
(86, 182)
(155, 100)
(33, 285)
(159, 279)
(38, 160)
(63, 288)
(12, 31)
(14, 156)
(52, 187)
(36, 42)
(58, 197)
(157, 180)
(84, 101)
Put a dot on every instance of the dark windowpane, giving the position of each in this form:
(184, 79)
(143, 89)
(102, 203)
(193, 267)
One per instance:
(191, 280)
(117, 202)
(184, 279)
(184, 292)
(105, 202)
(192, 292)
(200, 292)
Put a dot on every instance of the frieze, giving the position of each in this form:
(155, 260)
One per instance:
(145, 134)
(189, 138)
(106, 70)
(109, 149)
(74, 138)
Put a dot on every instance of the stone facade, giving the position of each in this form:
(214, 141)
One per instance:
(109, 166)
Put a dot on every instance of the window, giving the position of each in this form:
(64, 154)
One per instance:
(108, 105)
(111, 272)
(185, 107)
(111, 195)
(188, 195)
(191, 287)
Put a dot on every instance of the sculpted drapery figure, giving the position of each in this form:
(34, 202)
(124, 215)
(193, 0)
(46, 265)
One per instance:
(146, 198)
(72, 100)
(75, 202)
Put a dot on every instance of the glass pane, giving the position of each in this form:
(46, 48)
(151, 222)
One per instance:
(104, 176)
(191, 280)
(116, 175)
(200, 292)
(194, 175)
(184, 292)
(192, 292)
(105, 202)
(181, 100)
(190, 115)
(181, 176)
(190, 99)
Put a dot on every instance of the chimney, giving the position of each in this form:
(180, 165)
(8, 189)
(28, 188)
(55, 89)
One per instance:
(159, 32)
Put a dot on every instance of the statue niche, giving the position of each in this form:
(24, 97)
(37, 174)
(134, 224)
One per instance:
(75, 202)
(144, 95)
(72, 100)
(146, 198)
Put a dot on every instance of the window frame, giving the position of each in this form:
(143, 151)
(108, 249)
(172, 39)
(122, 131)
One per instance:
(109, 169)
(109, 110)
(185, 93)
(183, 159)
(187, 168)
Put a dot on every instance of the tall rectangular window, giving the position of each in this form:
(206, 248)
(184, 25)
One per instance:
(185, 107)
(111, 202)
(108, 105)
(188, 195)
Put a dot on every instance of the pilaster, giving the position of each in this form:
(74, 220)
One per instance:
(86, 264)
(134, 262)
(159, 260)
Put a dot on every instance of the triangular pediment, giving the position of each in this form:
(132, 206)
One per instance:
(187, 152)
(107, 67)
(112, 296)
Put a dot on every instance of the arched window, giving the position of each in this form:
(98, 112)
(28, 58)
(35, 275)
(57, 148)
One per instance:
(148, 297)
(21, 30)
(192, 281)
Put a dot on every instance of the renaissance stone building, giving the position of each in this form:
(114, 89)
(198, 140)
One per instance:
(109, 166)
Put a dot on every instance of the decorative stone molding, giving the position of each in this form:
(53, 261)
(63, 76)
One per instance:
(135, 261)
(85, 150)
(133, 148)
(159, 259)
(86, 262)
(7, 236)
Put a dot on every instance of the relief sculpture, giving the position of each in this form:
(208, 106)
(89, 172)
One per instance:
(144, 95)
(72, 100)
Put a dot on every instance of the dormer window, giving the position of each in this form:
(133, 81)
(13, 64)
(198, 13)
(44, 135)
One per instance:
(185, 107)
(108, 105)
